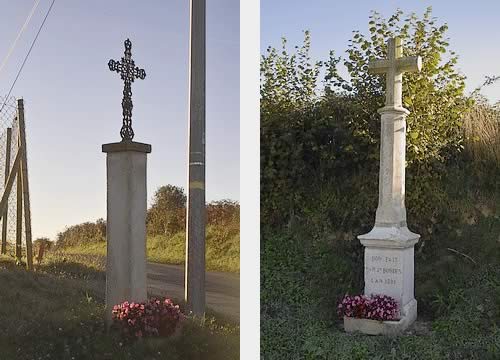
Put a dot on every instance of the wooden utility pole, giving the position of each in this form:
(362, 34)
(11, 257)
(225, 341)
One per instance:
(7, 171)
(25, 185)
(195, 227)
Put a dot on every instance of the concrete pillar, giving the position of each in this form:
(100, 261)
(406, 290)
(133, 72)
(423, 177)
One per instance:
(126, 223)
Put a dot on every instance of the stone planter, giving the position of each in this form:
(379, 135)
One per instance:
(374, 327)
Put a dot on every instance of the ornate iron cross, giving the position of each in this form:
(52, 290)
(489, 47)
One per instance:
(128, 72)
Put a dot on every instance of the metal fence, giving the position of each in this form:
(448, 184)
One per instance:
(8, 119)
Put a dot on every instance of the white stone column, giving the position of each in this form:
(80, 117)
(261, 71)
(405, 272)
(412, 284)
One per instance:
(126, 223)
(389, 264)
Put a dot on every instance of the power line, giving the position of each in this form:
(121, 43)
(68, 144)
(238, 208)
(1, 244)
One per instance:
(9, 53)
(28, 54)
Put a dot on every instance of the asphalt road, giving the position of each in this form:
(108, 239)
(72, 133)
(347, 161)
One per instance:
(222, 289)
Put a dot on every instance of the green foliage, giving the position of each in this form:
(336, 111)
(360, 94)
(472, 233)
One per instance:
(167, 214)
(288, 81)
(166, 232)
(434, 96)
(82, 233)
(310, 134)
(222, 252)
(222, 249)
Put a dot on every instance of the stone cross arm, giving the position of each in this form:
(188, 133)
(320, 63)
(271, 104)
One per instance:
(406, 64)
(393, 67)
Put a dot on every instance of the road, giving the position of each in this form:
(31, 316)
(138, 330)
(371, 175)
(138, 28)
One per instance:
(222, 289)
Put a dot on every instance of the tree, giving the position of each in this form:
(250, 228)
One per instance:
(43, 240)
(434, 96)
(167, 214)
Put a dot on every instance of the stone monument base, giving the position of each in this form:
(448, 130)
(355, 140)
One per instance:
(377, 327)
(389, 270)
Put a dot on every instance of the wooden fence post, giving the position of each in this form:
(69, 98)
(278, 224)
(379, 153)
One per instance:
(19, 209)
(25, 185)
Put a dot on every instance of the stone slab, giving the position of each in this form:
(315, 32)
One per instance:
(389, 237)
(126, 146)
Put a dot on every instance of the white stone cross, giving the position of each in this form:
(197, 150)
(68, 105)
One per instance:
(389, 246)
(394, 67)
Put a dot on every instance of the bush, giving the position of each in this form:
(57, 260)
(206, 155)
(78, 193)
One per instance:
(87, 232)
(153, 318)
(315, 134)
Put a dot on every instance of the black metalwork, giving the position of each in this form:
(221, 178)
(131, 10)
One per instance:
(128, 72)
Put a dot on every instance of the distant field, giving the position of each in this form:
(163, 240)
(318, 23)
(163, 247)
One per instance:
(220, 255)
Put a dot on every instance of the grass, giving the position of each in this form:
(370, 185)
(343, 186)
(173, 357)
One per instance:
(459, 311)
(305, 270)
(56, 312)
(482, 134)
(222, 250)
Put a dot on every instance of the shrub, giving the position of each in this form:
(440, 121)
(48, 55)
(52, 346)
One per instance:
(313, 134)
(152, 318)
(376, 307)
(82, 233)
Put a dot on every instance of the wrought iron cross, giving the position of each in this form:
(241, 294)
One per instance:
(128, 72)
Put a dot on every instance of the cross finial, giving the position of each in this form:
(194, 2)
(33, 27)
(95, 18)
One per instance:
(394, 67)
(128, 73)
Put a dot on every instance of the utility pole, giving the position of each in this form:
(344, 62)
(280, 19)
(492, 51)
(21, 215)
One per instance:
(195, 226)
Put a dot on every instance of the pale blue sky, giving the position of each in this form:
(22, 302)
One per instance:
(473, 29)
(73, 101)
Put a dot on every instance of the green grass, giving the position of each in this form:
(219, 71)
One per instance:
(459, 318)
(222, 250)
(56, 312)
(306, 269)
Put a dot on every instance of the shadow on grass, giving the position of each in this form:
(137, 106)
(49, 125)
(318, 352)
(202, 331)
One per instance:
(56, 312)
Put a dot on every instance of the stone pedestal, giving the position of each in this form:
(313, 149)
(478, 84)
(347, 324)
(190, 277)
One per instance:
(389, 270)
(126, 223)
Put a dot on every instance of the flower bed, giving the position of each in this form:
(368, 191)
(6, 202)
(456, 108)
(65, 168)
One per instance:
(152, 318)
(375, 307)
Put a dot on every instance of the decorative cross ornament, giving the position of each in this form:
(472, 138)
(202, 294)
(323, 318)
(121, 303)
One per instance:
(128, 72)
(394, 67)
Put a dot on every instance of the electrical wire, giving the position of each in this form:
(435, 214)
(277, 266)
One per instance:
(28, 54)
(9, 53)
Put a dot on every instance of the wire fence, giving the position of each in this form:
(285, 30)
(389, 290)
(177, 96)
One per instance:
(8, 119)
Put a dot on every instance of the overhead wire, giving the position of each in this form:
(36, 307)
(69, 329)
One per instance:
(11, 50)
(28, 54)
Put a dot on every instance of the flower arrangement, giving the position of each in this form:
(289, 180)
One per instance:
(375, 307)
(152, 318)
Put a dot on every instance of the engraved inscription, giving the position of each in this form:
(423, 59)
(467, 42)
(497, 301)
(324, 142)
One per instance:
(383, 270)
